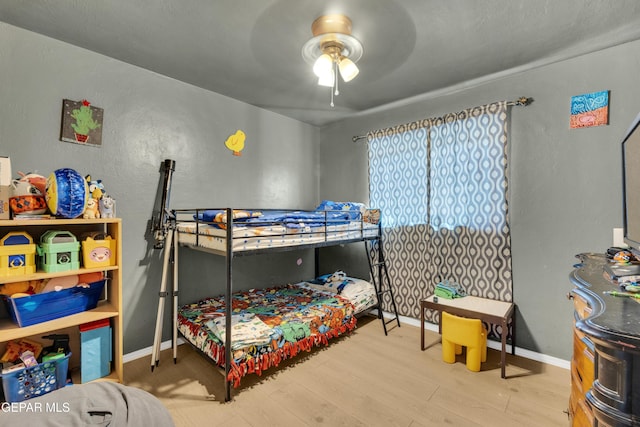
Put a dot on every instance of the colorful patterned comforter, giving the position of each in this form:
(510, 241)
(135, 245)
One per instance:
(267, 326)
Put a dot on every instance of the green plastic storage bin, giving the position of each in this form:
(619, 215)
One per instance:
(58, 250)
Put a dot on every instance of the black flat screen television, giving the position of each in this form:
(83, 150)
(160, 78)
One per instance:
(631, 186)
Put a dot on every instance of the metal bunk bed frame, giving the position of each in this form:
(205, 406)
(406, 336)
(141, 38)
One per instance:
(166, 228)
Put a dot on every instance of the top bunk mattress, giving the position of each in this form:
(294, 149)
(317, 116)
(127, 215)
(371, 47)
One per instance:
(252, 230)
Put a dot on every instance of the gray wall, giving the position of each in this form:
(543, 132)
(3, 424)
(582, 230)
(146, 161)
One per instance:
(565, 187)
(149, 118)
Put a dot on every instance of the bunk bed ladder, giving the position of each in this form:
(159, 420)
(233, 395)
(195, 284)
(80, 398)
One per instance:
(380, 279)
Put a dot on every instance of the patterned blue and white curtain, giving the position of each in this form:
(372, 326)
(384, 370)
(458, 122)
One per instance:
(442, 187)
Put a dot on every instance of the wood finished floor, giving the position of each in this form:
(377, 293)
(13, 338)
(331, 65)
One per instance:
(364, 379)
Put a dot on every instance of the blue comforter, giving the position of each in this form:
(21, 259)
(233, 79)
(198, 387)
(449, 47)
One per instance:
(290, 219)
(327, 213)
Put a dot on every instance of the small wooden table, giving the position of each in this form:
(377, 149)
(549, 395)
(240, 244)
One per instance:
(488, 310)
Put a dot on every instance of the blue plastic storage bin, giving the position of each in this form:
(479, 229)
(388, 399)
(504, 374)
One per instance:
(35, 381)
(38, 308)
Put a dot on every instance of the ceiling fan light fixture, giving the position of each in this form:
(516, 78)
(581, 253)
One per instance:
(332, 50)
(323, 65)
(348, 69)
(327, 79)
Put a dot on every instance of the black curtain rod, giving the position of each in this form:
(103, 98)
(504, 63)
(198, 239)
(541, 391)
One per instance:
(522, 101)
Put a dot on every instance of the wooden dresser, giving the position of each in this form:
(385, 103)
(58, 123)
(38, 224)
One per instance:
(605, 368)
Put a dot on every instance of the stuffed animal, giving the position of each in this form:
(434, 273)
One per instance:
(60, 283)
(14, 288)
(104, 204)
(38, 181)
(337, 281)
(25, 287)
(92, 210)
(336, 277)
(26, 198)
(107, 207)
(31, 287)
(96, 189)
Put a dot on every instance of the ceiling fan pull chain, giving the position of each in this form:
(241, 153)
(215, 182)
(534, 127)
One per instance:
(337, 92)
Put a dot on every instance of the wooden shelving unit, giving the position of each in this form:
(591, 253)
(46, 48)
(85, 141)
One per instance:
(109, 308)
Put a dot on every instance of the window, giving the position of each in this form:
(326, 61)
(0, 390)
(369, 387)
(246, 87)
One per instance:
(397, 177)
(441, 185)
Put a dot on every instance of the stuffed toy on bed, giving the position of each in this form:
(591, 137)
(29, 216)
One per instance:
(336, 281)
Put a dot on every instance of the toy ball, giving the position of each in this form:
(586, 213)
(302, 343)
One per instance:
(66, 193)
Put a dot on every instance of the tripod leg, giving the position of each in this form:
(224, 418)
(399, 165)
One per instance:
(155, 353)
(175, 298)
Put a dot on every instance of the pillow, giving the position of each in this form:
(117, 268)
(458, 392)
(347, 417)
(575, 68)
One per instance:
(220, 215)
(342, 284)
(328, 205)
(352, 209)
(357, 287)
(360, 293)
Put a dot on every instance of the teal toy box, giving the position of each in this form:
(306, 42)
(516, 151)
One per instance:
(58, 250)
(95, 343)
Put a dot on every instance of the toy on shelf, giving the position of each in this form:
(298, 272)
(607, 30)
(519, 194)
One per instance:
(40, 286)
(58, 251)
(92, 210)
(107, 207)
(96, 188)
(17, 254)
(38, 181)
(67, 193)
(28, 382)
(28, 310)
(65, 282)
(95, 357)
(100, 204)
(26, 198)
(60, 345)
(98, 250)
(29, 287)
(16, 347)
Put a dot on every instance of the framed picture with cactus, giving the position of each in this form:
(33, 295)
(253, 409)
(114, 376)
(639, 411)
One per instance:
(81, 123)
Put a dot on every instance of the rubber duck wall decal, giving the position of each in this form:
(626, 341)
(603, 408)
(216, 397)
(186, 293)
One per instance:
(235, 142)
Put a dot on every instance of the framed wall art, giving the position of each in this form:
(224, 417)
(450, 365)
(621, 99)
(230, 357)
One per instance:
(81, 123)
(590, 109)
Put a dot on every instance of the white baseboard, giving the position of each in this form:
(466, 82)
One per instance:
(550, 360)
(144, 352)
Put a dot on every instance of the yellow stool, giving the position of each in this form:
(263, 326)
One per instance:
(460, 331)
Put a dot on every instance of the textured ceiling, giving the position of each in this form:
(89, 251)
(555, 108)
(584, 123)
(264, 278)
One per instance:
(250, 49)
